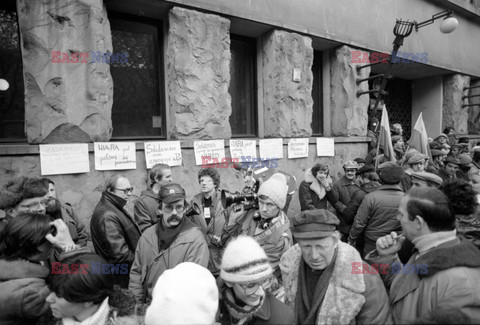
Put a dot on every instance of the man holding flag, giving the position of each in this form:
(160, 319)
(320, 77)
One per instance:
(385, 142)
(419, 138)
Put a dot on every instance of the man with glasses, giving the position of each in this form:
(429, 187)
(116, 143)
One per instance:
(114, 231)
(173, 240)
(22, 194)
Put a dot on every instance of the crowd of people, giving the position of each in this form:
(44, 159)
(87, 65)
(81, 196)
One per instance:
(389, 242)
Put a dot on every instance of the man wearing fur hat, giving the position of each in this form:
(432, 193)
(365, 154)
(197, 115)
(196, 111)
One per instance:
(437, 162)
(319, 277)
(451, 166)
(376, 215)
(245, 276)
(268, 225)
(315, 188)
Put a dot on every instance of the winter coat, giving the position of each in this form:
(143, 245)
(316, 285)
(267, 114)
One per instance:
(214, 228)
(114, 233)
(342, 191)
(377, 215)
(22, 292)
(443, 174)
(451, 283)
(150, 263)
(351, 209)
(76, 228)
(145, 210)
(350, 298)
(312, 194)
(468, 227)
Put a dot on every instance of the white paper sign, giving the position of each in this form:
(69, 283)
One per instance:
(71, 158)
(209, 152)
(115, 155)
(244, 150)
(298, 148)
(271, 149)
(325, 147)
(163, 152)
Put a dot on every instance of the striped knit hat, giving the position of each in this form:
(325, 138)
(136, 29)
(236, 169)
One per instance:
(245, 261)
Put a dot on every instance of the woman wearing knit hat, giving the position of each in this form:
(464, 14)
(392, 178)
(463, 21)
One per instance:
(245, 275)
(314, 189)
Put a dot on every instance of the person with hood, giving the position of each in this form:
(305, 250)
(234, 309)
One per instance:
(314, 189)
(443, 272)
(245, 277)
(173, 240)
(145, 209)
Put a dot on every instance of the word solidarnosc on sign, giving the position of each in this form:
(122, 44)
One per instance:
(163, 152)
(209, 152)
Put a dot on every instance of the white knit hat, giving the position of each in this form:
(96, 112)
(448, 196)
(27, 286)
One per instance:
(276, 189)
(186, 294)
(245, 261)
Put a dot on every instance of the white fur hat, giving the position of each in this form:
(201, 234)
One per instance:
(245, 261)
(186, 294)
(276, 189)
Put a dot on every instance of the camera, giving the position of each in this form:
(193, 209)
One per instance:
(248, 200)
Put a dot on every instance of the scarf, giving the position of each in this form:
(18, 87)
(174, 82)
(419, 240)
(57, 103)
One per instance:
(166, 236)
(239, 314)
(99, 318)
(427, 242)
(315, 185)
(306, 311)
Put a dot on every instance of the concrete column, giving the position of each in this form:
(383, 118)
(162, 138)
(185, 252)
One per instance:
(198, 75)
(453, 113)
(287, 102)
(427, 98)
(66, 100)
(474, 111)
(349, 114)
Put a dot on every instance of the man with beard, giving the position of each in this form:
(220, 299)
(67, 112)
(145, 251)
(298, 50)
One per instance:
(57, 210)
(173, 240)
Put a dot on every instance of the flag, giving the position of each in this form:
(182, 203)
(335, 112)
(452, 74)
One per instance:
(385, 138)
(419, 138)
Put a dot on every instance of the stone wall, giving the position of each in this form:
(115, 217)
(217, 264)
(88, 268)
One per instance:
(453, 113)
(198, 75)
(474, 111)
(349, 113)
(65, 101)
(83, 191)
(287, 104)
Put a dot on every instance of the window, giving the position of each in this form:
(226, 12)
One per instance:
(243, 87)
(12, 102)
(138, 95)
(317, 95)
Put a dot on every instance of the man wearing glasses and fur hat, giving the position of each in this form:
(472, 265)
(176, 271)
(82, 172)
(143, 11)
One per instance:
(173, 240)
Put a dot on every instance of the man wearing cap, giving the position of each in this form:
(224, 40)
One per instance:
(464, 167)
(321, 280)
(440, 142)
(342, 193)
(376, 216)
(425, 179)
(416, 163)
(474, 172)
(437, 162)
(268, 225)
(173, 240)
(451, 166)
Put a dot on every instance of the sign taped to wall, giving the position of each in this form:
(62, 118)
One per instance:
(325, 147)
(163, 152)
(209, 152)
(115, 155)
(298, 148)
(71, 158)
(271, 149)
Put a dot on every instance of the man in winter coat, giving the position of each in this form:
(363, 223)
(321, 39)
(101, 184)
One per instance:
(438, 156)
(376, 215)
(173, 240)
(450, 169)
(146, 207)
(319, 277)
(114, 232)
(315, 188)
(210, 218)
(450, 276)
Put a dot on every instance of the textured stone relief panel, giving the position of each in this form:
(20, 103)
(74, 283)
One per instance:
(453, 113)
(198, 75)
(287, 103)
(349, 114)
(67, 92)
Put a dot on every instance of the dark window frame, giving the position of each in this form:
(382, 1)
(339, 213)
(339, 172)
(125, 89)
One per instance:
(317, 96)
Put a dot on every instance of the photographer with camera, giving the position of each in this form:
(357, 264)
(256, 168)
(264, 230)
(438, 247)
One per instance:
(268, 224)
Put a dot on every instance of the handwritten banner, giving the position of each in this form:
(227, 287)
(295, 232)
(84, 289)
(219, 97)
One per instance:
(243, 149)
(115, 155)
(298, 148)
(209, 152)
(69, 158)
(163, 152)
(271, 149)
(325, 147)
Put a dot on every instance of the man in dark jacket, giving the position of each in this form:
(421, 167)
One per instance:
(114, 232)
(437, 162)
(146, 207)
(376, 216)
(449, 171)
